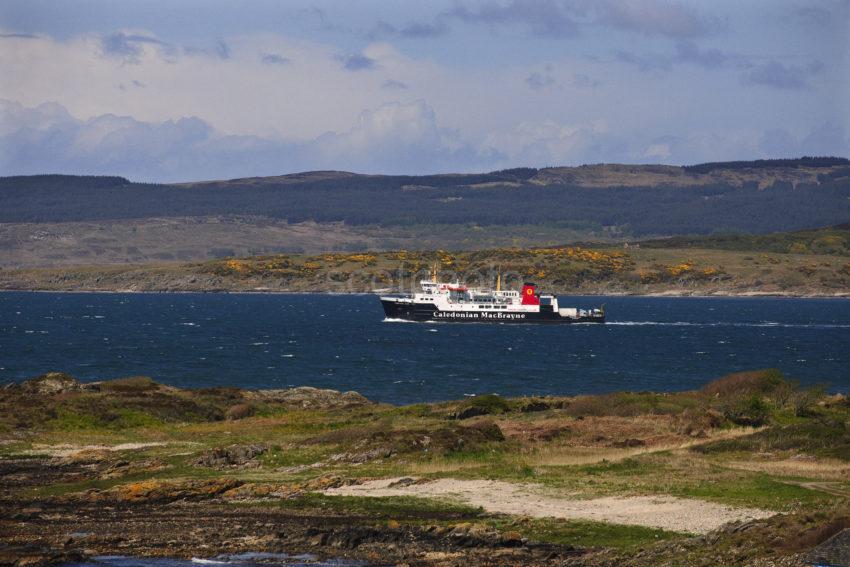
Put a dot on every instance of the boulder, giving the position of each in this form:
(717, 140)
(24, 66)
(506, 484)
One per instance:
(160, 491)
(52, 383)
(306, 397)
(232, 456)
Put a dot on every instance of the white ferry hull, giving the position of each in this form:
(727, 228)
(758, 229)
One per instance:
(414, 311)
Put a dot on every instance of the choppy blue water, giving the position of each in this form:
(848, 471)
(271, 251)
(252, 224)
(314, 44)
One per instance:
(342, 342)
(237, 560)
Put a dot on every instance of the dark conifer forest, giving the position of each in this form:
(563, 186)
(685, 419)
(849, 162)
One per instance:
(499, 198)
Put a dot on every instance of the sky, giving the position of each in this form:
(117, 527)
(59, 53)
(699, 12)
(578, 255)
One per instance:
(162, 91)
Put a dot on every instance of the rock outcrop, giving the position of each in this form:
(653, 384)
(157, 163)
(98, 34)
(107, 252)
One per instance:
(232, 457)
(52, 383)
(306, 397)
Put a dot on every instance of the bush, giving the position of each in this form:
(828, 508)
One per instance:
(825, 437)
(486, 404)
(239, 411)
(697, 421)
(752, 411)
(746, 383)
(629, 404)
(131, 385)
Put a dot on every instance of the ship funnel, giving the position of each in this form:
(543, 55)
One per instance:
(529, 294)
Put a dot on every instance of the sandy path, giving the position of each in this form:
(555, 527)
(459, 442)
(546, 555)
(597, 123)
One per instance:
(67, 450)
(666, 512)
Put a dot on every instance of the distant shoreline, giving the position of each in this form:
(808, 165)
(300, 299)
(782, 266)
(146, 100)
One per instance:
(563, 270)
(667, 294)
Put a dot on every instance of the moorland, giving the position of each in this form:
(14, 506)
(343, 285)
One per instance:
(57, 220)
(751, 469)
(801, 263)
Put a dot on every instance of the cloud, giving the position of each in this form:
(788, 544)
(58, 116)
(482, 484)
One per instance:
(411, 30)
(583, 81)
(132, 83)
(222, 49)
(657, 151)
(392, 138)
(568, 18)
(185, 82)
(128, 46)
(273, 59)
(357, 62)
(546, 143)
(400, 137)
(656, 17)
(780, 76)
(282, 117)
(545, 80)
(814, 15)
(393, 85)
(827, 139)
(538, 81)
(549, 18)
(779, 143)
(645, 62)
(17, 36)
(688, 52)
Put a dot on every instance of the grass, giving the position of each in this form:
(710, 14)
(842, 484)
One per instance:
(817, 266)
(413, 510)
(754, 489)
(823, 437)
(688, 445)
(380, 508)
(587, 534)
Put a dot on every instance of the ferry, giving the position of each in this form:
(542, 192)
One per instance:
(453, 302)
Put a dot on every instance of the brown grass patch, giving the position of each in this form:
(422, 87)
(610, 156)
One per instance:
(822, 469)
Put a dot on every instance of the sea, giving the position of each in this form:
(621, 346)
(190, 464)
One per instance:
(343, 342)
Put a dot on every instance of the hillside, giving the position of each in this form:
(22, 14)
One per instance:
(750, 469)
(810, 263)
(53, 220)
(670, 200)
(831, 240)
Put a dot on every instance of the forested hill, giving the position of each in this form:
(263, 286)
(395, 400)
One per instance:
(751, 197)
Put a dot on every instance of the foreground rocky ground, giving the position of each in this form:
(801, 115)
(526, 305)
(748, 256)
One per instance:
(750, 470)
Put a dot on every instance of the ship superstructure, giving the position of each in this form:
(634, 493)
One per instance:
(439, 301)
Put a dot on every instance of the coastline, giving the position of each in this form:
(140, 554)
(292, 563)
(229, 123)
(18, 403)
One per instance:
(592, 481)
(647, 272)
(660, 294)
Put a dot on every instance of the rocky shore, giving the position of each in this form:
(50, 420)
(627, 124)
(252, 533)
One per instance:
(574, 270)
(132, 467)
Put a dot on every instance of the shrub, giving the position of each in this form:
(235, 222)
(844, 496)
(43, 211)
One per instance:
(752, 411)
(628, 404)
(486, 404)
(828, 438)
(68, 420)
(802, 402)
(239, 411)
(697, 421)
(131, 385)
(746, 383)
(808, 538)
